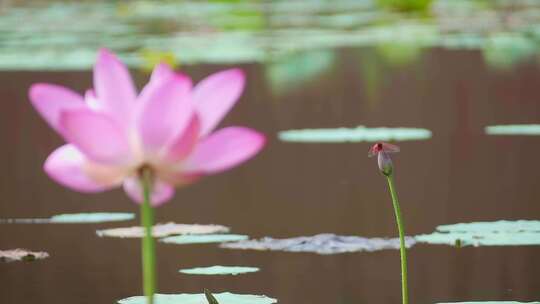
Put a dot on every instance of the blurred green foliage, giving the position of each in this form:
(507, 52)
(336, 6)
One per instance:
(144, 32)
(151, 58)
(406, 5)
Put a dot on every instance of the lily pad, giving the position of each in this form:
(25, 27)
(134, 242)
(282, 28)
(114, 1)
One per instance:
(162, 230)
(499, 233)
(531, 130)
(321, 244)
(206, 238)
(97, 217)
(480, 239)
(219, 270)
(199, 298)
(22, 255)
(497, 226)
(75, 218)
(353, 135)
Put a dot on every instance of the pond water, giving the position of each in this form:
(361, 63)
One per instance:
(459, 174)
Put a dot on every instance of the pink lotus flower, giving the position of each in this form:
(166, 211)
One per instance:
(112, 133)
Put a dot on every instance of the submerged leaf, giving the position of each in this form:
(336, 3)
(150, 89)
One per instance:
(358, 134)
(200, 298)
(74, 218)
(22, 255)
(498, 233)
(162, 230)
(220, 270)
(207, 238)
(321, 244)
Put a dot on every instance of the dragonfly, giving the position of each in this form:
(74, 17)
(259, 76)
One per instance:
(382, 147)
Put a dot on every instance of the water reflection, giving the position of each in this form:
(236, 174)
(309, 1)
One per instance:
(293, 71)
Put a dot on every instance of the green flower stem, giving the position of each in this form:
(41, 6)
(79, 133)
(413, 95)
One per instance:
(148, 245)
(402, 248)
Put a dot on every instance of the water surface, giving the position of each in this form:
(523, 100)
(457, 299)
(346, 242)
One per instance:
(458, 175)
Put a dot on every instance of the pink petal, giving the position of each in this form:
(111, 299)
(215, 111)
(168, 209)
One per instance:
(165, 111)
(96, 135)
(91, 100)
(179, 178)
(184, 143)
(161, 192)
(49, 100)
(161, 71)
(224, 149)
(114, 86)
(66, 165)
(215, 95)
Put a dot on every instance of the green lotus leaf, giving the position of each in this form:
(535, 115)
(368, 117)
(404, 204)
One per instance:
(22, 255)
(498, 233)
(358, 134)
(219, 270)
(532, 129)
(74, 218)
(162, 230)
(199, 298)
(206, 238)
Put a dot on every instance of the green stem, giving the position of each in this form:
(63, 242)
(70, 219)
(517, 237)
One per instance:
(402, 248)
(148, 245)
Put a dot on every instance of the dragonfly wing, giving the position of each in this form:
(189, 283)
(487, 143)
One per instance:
(389, 148)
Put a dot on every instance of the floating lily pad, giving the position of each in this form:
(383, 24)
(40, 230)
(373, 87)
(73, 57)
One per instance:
(532, 129)
(206, 238)
(358, 134)
(497, 226)
(199, 298)
(75, 218)
(162, 230)
(321, 244)
(97, 217)
(499, 233)
(219, 270)
(480, 239)
(22, 255)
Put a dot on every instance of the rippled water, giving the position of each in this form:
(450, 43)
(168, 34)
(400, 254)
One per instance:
(460, 174)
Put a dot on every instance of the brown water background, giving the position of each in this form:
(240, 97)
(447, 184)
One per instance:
(290, 189)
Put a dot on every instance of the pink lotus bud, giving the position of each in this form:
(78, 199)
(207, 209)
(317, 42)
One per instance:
(384, 161)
